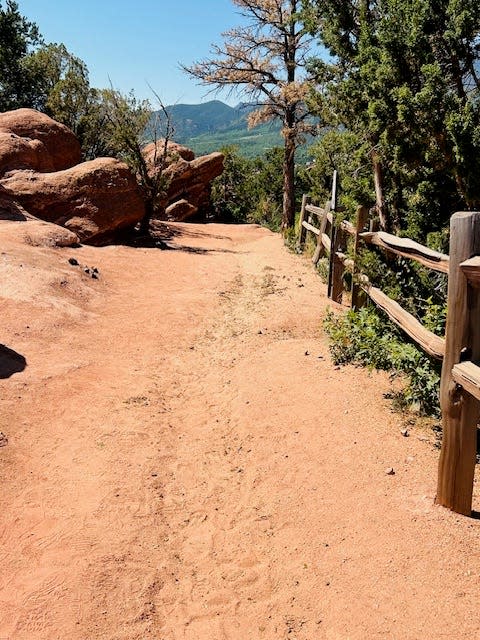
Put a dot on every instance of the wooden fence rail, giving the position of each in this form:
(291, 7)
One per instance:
(459, 350)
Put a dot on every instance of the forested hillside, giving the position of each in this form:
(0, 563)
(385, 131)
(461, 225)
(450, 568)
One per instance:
(209, 126)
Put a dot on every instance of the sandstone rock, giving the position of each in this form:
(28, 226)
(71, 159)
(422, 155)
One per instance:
(38, 233)
(48, 145)
(193, 178)
(22, 153)
(208, 167)
(189, 181)
(180, 210)
(174, 151)
(93, 199)
(179, 176)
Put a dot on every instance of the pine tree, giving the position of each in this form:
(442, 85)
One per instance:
(403, 77)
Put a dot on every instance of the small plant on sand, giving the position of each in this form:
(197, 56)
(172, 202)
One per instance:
(365, 338)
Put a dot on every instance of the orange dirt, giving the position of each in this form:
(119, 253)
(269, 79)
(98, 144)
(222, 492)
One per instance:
(185, 462)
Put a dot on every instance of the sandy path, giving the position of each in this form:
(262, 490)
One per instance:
(179, 467)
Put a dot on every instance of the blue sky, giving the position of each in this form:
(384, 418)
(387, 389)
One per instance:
(137, 42)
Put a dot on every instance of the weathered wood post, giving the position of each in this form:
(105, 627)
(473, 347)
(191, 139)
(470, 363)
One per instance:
(302, 231)
(460, 410)
(320, 249)
(337, 266)
(333, 240)
(358, 295)
(333, 199)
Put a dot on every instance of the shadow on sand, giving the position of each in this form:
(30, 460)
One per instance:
(10, 362)
(163, 236)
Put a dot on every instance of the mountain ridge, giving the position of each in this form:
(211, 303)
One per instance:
(208, 126)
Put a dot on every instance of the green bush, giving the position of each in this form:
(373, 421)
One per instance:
(365, 338)
(418, 290)
(251, 190)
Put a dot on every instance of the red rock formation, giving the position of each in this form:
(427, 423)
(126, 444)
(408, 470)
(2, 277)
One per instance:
(22, 153)
(41, 175)
(94, 199)
(180, 210)
(189, 181)
(174, 151)
(38, 233)
(52, 145)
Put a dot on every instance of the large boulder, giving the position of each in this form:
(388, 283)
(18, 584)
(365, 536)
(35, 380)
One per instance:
(38, 233)
(180, 210)
(31, 140)
(188, 178)
(155, 151)
(22, 153)
(94, 199)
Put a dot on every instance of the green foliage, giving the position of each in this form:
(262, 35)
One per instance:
(417, 289)
(403, 78)
(250, 190)
(290, 239)
(251, 143)
(232, 191)
(212, 125)
(364, 337)
(126, 121)
(66, 96)
(342, 150)
(18, 37)
(49, 78)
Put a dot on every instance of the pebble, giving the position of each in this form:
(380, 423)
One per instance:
(390, 471)
(73, 262)
(405, 433)
(3, 440)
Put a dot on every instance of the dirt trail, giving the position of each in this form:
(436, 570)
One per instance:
(185, 462)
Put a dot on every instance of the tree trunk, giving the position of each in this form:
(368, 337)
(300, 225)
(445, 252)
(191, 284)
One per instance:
(381, 205)
(289, 130)
(288, 217)
(144, 228)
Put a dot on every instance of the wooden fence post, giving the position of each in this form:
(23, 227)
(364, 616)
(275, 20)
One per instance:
(358, 295)
(460, 410)
(337, 266)
(333, 199)
(333, 240)
(320, 249)
(302, 232)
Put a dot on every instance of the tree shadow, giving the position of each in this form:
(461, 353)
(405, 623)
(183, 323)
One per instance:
(10, 362)
(197, 250)
(163, 235)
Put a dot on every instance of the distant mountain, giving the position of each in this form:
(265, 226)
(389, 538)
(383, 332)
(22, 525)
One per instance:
(191, 120)
(208, 126)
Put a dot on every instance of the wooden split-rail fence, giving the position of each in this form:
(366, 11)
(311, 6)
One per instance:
(459, 349)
